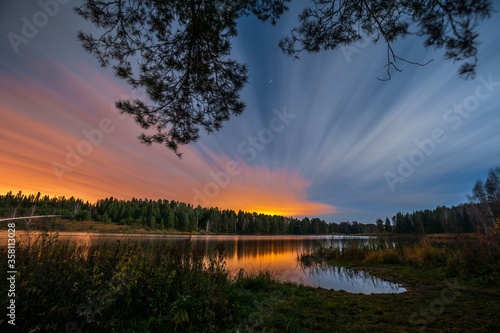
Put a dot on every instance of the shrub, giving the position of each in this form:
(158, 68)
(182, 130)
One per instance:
(119, 287)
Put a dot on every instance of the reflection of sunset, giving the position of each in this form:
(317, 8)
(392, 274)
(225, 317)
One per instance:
(252, 253)
(36, 156)
(262, 261)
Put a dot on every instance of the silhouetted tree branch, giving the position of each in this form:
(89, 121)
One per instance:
(178, 51)
(329, 24)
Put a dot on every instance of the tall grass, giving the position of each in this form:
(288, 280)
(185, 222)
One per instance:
(120, 287)
(478, 260)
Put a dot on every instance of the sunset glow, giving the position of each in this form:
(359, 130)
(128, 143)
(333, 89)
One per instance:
(318, 136)
(93, 155)
(230, 166)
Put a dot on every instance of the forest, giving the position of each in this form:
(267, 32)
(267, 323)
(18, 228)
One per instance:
(481, 214)
(165, 214)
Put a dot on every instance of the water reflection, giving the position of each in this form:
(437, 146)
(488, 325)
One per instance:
(279, 254)
(350, 280)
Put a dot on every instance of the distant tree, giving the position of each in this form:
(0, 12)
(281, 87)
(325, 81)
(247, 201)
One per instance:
(492, 188)
(83, 215)
(485, 199)
(225, 224)
(380, 225)
(355, 228)
(465, 224)
(387, 225)
(417, 222)
(154, 214)
(345, 227)
(33, 201)
(333, 228)
(241, 222)
(324, 230)
(170, 219)
(152, 222)
(305, 226)
(442, 214)
(315, 225)
(161, 224)
(182, 221)
(213, 222)
(178, 51)
(16, 202)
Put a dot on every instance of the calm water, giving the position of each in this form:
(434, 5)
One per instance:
(254, 253)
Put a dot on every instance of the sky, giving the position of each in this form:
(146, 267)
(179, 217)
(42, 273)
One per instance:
(321, 136)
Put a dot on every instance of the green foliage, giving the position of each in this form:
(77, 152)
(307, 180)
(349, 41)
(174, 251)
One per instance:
(30, 204)
(164, 214)
(114, 287)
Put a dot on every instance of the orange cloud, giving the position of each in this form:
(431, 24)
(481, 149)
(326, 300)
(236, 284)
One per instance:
(236, 185)
(53, 141)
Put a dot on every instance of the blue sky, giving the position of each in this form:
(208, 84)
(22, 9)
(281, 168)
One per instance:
(329, 138)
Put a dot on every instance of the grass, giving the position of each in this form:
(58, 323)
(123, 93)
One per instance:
(122, 287)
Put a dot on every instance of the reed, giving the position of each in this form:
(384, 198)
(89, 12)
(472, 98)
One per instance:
(477, 260)
(120, 287)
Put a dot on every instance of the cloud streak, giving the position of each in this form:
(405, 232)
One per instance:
(48, 129)
(329, 161)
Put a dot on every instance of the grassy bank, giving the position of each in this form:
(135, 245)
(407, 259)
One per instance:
(121, 287)
(452, 286)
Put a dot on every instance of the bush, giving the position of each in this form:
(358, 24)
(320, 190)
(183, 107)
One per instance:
(119, 287)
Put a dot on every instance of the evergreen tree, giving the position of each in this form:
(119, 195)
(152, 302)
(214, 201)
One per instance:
(380, 225)
(170, 223)
(179, 51)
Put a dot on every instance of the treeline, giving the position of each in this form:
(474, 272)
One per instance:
(165, 214)
(35, 204)
(481, 214)
(430, 221)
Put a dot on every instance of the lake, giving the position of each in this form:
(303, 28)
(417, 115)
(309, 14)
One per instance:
(253, 253)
